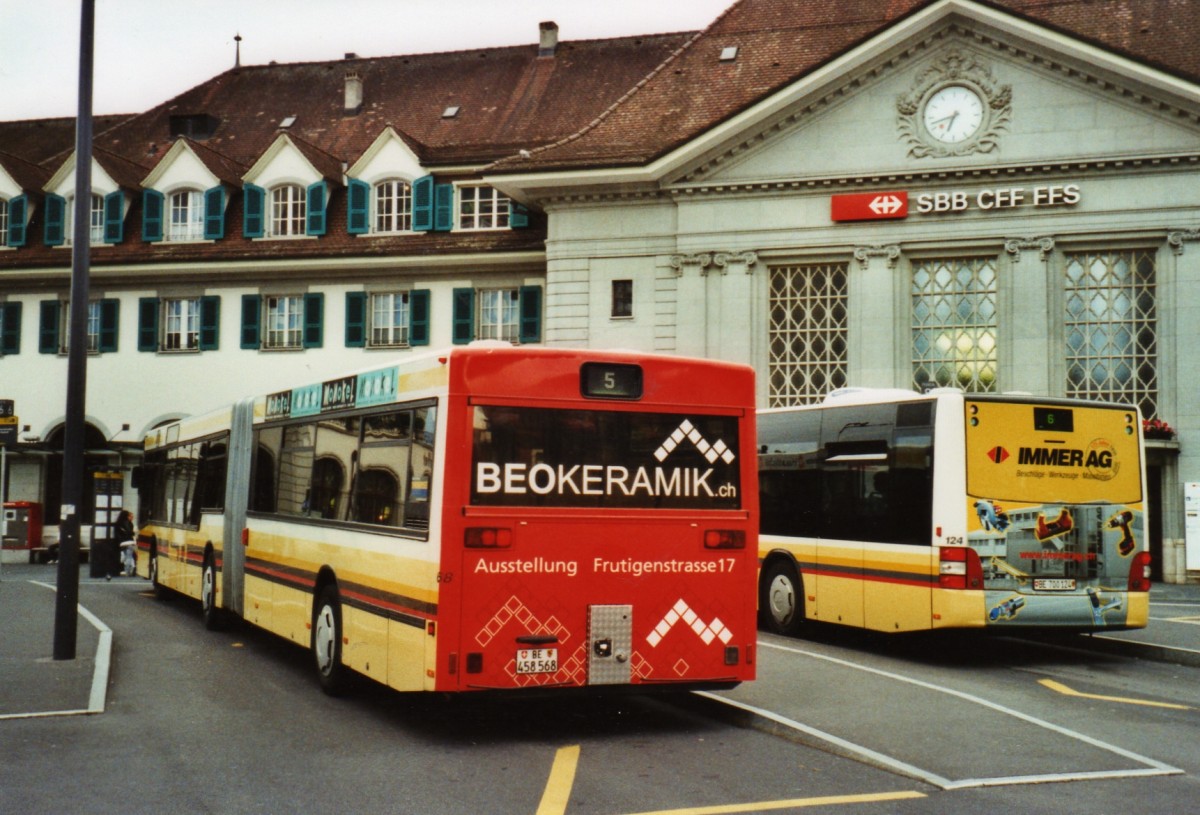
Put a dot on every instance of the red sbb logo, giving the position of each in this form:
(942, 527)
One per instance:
(869, 206)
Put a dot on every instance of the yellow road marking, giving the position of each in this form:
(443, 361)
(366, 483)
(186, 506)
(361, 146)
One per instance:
(1063, 689)
(558, 786)
(794, 803)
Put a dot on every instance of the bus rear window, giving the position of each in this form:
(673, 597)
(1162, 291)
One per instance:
(542, 457)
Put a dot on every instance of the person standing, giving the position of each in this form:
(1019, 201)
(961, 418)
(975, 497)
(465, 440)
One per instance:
(123, 532)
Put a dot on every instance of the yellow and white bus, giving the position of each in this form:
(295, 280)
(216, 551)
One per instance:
(485, 518)
(898, 511)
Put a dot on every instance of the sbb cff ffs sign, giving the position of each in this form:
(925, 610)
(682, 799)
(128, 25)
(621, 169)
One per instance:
(869, 206)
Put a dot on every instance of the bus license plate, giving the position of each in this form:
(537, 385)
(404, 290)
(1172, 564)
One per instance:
(1053, 584)
(537, 660)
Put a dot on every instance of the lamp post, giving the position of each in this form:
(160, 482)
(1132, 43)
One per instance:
(66, 605)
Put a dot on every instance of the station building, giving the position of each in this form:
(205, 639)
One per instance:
(998, 196)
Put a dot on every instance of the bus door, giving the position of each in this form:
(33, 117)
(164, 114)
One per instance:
(849, 517)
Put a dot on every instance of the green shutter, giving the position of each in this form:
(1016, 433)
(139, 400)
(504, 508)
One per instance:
(252, 219)
(462, 325)
(50, 314)
(443, 207)
(10, 329)
(518, 215)
(530, 309)
(214, 213)
(418, 317)
(147, 324)
(251, 319)
(114, 217)
(152, 216)
(356, 319)
(358, 208)
(210, 322)
(110, 312)
(422, 204)
(18, 214)
(318, 198)
(56, 213)
(314, 312)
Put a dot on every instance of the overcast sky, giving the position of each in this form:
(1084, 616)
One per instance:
(148, 51)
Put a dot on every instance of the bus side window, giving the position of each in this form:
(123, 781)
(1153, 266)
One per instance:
(295, 470)
(266, 456)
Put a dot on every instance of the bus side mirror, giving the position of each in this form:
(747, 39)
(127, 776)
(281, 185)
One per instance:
(135, 477)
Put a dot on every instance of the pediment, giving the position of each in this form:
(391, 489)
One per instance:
(1036, 104)
(282, 163)
(180, 168)
(63, 181)
(9, 188)
(389, 156)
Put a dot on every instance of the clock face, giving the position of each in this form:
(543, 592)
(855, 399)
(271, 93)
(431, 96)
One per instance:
(953, 114)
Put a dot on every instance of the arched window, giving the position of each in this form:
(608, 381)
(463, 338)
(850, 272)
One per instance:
(187, 216)
(393, 206)
(288, 210)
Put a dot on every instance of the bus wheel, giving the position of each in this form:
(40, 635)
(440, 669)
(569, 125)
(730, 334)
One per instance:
(781, 599)
(327, 642)
(208, 597)
(160, 591)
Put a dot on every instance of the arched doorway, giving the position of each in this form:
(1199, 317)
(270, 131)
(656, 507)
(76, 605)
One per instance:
(97, 456)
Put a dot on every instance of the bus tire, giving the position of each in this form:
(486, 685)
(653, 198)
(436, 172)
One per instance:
(208, 596)
(781, 599)
(327, 642)
(160, 591)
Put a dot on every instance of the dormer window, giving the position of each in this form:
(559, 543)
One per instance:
(393, 207)
(95, 220)
(288, 211)
(198, 126)
(482, 207)
(187, 216)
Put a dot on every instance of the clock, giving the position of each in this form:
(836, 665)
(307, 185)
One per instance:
(953, 114)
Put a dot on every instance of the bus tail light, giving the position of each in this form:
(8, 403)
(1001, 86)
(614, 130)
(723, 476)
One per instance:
(724, 539)
(487, 537)
(959, 568)
(1139, 572)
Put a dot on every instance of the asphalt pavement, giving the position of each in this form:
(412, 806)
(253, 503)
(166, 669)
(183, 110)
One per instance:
(35, 684)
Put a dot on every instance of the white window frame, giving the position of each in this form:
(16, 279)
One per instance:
(96, 212)
(289, 211)
(3, 223)
(185, 216)
(498, 315)
(93, 327)
(389, 319)
(181, 324)
(392, 212)
(481, 207)
(283, 322)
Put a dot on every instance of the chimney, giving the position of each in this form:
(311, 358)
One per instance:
(548, 42)
(354, 93)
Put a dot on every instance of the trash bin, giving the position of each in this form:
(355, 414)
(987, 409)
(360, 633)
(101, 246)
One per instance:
(105, 558)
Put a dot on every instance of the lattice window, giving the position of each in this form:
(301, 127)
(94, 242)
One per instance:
(1111, 325)
(807, 335)
(954, 324)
